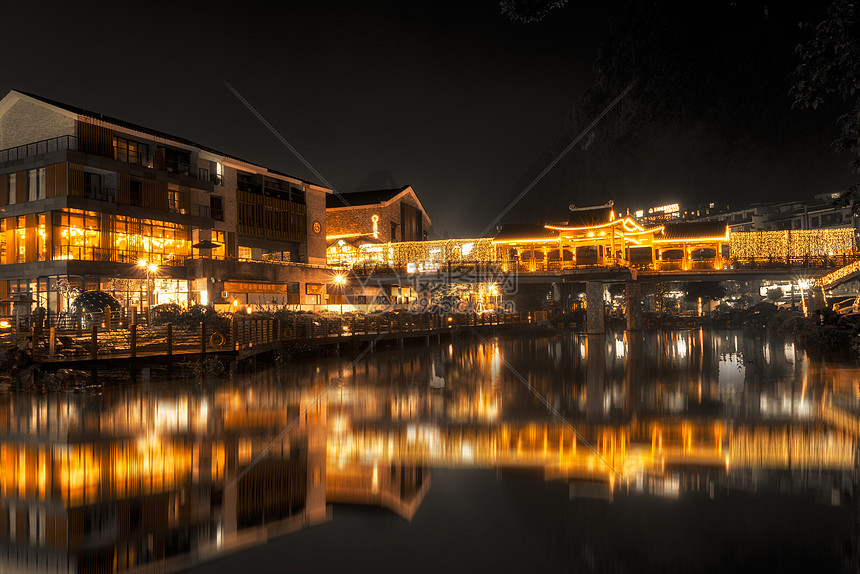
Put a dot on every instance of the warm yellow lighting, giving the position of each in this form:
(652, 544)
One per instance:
(840, 273)
(339, 279)
(141, 263)
(795, 243)
(235, 302)
(152, 268)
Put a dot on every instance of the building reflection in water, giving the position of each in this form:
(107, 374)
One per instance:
(178, 473)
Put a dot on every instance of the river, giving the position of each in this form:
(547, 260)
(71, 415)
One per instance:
(674, 451)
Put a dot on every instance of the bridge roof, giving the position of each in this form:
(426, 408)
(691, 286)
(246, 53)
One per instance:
(694, 230)
(511, 232)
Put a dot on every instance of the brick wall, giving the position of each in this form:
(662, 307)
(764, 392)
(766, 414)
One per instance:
(316, 212)
(26, 122)
(358, 219)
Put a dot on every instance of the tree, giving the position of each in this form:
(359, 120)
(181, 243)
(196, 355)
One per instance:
(527, 11)
(830, 68)
(707, 290)
(774, 294)
(709, 111)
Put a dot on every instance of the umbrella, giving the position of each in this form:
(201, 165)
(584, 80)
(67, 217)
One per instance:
(205, 244)
(17, 299)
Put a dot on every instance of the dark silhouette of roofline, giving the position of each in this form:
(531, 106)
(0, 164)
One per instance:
(151, 132)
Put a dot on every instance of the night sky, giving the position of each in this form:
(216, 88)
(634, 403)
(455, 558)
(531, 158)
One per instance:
(450, 97)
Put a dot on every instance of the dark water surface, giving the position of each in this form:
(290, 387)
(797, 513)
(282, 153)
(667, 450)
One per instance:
(683, 451)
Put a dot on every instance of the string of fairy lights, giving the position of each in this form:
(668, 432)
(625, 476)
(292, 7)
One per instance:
(798, 243)
(743, 245)
(839, 274)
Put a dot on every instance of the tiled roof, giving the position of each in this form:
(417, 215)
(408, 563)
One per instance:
(513, 231)
(149, 131)
(694, 230)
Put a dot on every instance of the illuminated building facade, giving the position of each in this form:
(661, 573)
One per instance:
(599, 235)
(86, 197)
(360, 224)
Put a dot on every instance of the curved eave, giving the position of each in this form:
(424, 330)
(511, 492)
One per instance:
(628, 224)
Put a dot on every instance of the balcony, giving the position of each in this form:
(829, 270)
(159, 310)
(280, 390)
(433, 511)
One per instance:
(38, 148)
(210, 212)
(76, 253)
(99, 148)
(100, 192)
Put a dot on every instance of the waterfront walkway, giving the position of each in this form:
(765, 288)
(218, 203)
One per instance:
(100, 345)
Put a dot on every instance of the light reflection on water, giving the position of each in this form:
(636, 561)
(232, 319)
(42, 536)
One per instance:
(181, 472)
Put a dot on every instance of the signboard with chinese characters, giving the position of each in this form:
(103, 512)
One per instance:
(246, 287)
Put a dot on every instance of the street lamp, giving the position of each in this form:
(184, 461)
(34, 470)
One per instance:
(150, 269)
(340, 281)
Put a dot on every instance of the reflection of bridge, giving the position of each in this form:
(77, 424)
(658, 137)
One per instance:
(813, 274)
(648, 447)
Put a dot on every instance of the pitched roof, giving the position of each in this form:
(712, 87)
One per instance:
(357, 198)
(694, 230)
(149, 131)
(524, 231)
(588, 216)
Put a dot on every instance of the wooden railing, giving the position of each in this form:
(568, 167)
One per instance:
(118, 338)
(553, 266)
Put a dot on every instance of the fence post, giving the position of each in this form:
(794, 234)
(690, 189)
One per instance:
(234, 333)
(203, 337)
(169, 339)
(52, 341)
(107, 319)
(133, 329)
(94, 342)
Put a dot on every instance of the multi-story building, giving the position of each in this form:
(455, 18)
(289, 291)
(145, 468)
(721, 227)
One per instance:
(358, 219)
(97, 203)
(823, 211)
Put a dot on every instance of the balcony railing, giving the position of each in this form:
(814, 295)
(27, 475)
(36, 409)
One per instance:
(100, 192)
(66, 252)
(38, 148)
(100, 148)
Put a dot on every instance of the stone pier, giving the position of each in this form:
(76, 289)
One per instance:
(594, 308)
(633, 305)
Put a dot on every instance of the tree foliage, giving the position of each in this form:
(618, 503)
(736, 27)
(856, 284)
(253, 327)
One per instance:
(710, 115)
(707, 290)
(527, 11)
(775, 294)
(829, 67)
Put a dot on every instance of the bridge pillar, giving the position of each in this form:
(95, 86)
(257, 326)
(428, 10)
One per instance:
(816, 293)
(594, 308)
(633, 305)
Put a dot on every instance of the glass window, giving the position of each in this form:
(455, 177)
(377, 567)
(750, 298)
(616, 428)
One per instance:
(216, 207)
(135, 192)
(11, 191)
(36, 184)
